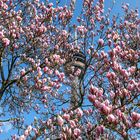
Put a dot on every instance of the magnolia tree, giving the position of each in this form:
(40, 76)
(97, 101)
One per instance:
(100, 101)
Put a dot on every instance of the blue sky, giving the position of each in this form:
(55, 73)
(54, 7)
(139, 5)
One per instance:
(117, 9)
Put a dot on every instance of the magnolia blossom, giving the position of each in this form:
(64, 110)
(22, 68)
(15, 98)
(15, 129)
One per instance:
(119, 113)
(132, 69)
(22, 137)
(56, 58)
(97, 103)
(137, 125)
(1, 34)
(93, 89)
(63, 136)
(100, 129)
(72, 123)
(109, 42)
(77, 132)
(131, 86)
(135, 116)
(79, 112)
(6, 41)
(105, 109)
(45, 69)
(26, 133)
(81, 29)
(60, 120)
(101, 42)
(66, 117)
(67, 130)
(29, 128)
(111, 118)
(91, 98)
(22, 72)
(111, 75)
(49, 122)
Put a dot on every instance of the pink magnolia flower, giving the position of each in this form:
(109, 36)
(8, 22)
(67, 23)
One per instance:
(111, 118)
(56, 47)
(79, 112)
(101, 42)
(66, 117)
(105, 109)
(93, 89)
(127, 36)
(109, 37)
(79, 138)
(19, 18)
(118, 113)
(100, 92)
(60, 120)
(50, 4)
(112, 94)
(65, 128)
(89, 51)
(61, 76)
(56, 72)
(38, 69)
(109, 42)
(91, 98)
(45, 69)
(26, 133)
(40, 73)
(103, 54)
(44, 80)
(110, 75)
(5, 6)
(50, 72)
(89, 125)
(22, 72)
(56, 58)
(130, 86)
(46, 88)
(92, 20)
(22, 137)
(137, 125)
(64, 33)
(81, 29)
(124, 73)
(49, 122)
(63, 136)
(68, 130)
(1, 4)
(100, 129)
(1, 34)
(126, 92)
(35, 131)
(41, 29)
(29, 128)
(5, 41)
(90, 110)
(72, 123)
(132, 69)
(15, 46)
(135, 116)
(101, 1)
(77, 132)
(106, 102)
(46, 61)
(97, 103)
